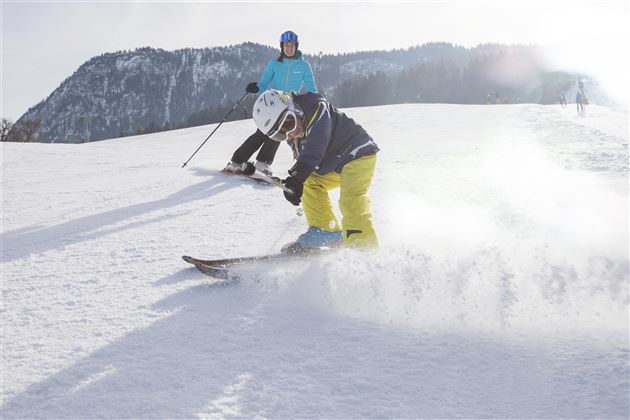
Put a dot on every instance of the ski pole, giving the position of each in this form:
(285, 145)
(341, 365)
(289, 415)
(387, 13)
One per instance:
(217, 127)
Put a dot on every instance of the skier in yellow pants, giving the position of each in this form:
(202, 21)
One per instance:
(354, 203)
(332, 151)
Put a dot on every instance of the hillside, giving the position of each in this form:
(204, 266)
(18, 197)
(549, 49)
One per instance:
(149, 90)
(500, 288)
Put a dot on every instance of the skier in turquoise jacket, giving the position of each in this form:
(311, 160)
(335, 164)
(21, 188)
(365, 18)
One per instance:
(287, 73)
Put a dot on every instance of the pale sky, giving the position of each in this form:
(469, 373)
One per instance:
(44, 42)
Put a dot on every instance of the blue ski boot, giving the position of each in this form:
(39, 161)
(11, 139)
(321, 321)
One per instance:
(313, 238)
(316, 237)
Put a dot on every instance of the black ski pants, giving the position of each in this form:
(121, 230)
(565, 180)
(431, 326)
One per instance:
(254, 142)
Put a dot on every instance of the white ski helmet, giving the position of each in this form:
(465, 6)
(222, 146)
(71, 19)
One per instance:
(270, 108)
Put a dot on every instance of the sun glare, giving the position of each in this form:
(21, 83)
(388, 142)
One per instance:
(594, 41)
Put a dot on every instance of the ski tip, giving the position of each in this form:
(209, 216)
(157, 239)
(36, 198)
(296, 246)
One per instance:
(187, 258)
(215, 272)
(293, 248)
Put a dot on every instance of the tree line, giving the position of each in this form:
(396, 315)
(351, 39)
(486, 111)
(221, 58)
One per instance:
(485, 77)
(432, 82)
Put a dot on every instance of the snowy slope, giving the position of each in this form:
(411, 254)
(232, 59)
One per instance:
(500, 288)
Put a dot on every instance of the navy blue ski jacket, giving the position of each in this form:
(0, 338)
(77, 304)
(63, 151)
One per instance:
(331, 138)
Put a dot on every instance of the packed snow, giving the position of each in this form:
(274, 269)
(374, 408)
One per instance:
(500, 288)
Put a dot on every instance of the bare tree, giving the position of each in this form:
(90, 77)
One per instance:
(5, 127)
(29, 130)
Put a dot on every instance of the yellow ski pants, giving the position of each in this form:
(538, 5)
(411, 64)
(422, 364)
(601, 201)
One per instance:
(354, 181)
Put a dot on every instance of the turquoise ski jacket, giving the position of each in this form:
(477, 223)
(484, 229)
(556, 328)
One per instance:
(288, 75)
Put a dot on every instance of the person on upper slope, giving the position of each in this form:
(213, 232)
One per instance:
(287, 73)
(578, 102)
(331, 151)
(563, 99)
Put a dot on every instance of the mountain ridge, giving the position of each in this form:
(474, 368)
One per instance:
(125, 92)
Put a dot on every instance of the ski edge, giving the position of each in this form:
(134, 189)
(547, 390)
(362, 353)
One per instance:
(227, 262)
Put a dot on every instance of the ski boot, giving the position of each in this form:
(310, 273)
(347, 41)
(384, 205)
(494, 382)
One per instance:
(245, 168)
(263, 167)
(314, 238)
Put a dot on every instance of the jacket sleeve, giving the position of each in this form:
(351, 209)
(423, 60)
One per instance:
(266, 77)
(309, 80)
(318, 136)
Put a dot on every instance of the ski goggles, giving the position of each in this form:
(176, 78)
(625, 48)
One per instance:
(289, 36)
(286, 124)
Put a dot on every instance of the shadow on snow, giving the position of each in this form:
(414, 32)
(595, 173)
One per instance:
(243, 351)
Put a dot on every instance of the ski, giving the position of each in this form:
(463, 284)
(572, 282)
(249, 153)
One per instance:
(217, 273)
(288, 253)
(221, 268)
(260, 178)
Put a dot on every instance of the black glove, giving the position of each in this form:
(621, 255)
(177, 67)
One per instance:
(295, 182)
(297, 188)
(252, 88)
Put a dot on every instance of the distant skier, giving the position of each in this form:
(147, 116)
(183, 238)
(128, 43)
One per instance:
(563, 99)
(332, 151)
(578, 102)
(288, 72)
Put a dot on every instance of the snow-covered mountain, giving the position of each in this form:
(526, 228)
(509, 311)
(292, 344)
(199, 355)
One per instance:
(500, 288)
(123, 92)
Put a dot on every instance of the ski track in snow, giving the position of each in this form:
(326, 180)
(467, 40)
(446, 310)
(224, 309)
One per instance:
(500, 288)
